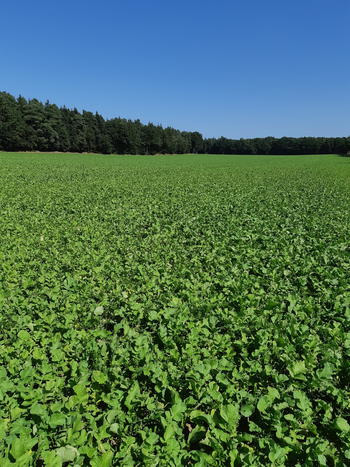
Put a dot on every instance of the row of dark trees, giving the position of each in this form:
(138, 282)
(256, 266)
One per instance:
(270, 145)
(29, 125)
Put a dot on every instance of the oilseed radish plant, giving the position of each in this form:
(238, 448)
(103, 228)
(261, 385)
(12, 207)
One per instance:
(174, 310)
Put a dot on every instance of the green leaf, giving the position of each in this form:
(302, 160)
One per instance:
(51, 459)
(57, 355)
(277, 453)
(21, 447)
(169, 432)
(25, 460)
(302, 401)
(67, 453)
(178, 409)
(326, 372)
(99, 377)
(80, 390)
(132, 395)
(18, 447)
(103, 461)
(247, 410)
(199, 416)
(342, 425)
(197, 434)
(23, 335)
(114, 428)
(298, 368)
(322, 459)
(268, 399)
(98, 311)
(230, 413)
(263, 403)
(57, 419)
(38, 409)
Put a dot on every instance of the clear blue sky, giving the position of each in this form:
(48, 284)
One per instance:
(238, 68)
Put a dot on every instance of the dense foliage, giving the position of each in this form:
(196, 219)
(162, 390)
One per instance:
(174, 310)
(29, 125)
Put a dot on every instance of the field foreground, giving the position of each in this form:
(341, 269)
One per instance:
(174, 310)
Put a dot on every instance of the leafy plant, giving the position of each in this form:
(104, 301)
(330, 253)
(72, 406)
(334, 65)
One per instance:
(188, 310)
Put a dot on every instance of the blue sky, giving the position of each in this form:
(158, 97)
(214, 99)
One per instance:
(239, 68)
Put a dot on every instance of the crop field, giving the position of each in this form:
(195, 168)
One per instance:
(174, 310)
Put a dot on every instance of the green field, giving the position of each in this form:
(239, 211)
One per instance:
(174, 310)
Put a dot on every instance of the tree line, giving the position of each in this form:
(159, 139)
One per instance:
(30, 125)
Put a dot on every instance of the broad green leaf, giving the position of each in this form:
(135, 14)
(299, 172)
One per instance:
(57, 419)
(196, 435)
(105, 460)
(99, 377)
(24, 335)
(38, 409)
(67, 453)
(247, 410)
(298, 368)
(99, 311)
(132, 395)
(342, 425)
(114, 428)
